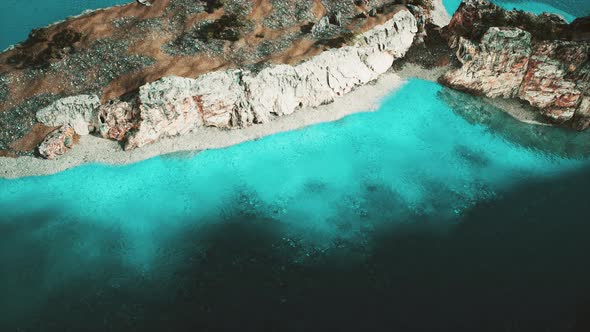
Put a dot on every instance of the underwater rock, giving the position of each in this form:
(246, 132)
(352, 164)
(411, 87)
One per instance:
(79, 112)
(58, 142)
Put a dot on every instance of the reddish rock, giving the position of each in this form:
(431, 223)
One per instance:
(116, 119)
(549, 84)
(495, 67)
(539, 66)
(58, 142)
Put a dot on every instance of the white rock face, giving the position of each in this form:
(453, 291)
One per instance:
(394, 36)
(167, 108)
(235, 98)
(79, 112)
(222, 99)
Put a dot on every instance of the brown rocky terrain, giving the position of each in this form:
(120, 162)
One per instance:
(112, 52)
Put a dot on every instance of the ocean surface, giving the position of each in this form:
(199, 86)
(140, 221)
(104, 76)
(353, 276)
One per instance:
(439, 215)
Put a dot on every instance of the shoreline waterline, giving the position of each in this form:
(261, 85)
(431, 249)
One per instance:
(367, 98)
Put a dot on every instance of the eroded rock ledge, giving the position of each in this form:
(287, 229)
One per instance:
(235, 98)
(541, 60)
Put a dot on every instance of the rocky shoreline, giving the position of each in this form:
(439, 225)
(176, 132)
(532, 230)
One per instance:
(226, 106)
(92, 149)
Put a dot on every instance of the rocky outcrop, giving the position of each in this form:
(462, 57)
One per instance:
(495, 67)
(116, 119)
(58, 142)
(167, 108)
(79, 112)
(235, 98)
(551, 80)
(550, 74)
(474, 18)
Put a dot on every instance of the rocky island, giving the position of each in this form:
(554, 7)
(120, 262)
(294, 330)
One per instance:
(214, 73)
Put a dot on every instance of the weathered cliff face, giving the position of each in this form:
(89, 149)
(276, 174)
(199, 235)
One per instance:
(237, 98)
(79, 112)
(508, 61)
(496, 66)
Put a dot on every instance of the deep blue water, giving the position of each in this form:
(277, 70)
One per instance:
(438, 215)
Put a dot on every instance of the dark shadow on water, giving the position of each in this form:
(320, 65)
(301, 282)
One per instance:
(515, 263)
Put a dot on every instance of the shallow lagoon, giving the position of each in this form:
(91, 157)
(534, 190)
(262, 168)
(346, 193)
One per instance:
(444, 207)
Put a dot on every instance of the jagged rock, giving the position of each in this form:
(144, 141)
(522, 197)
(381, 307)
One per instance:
(222, 99)
(338, 19)
(145, 3)
(496, 67)
(547, 84)
(282, 89)
(58, 142)
(473, 19)
(394, 36)
(80, 112)
(322, 25)
(582, 116)
(167, 107)
(116, 119)
(538, 66)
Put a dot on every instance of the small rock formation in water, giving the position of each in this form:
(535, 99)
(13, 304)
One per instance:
(512, 54)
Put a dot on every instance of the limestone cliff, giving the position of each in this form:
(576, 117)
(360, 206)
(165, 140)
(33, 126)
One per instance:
(237, 98)
(92, 69)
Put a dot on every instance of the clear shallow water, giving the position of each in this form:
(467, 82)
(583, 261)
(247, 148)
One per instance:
(566, 8)
(421, 208)
(19, 17)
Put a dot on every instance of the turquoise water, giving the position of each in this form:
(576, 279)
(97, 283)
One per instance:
(568, 9)
(19, 17)
(434, 199)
